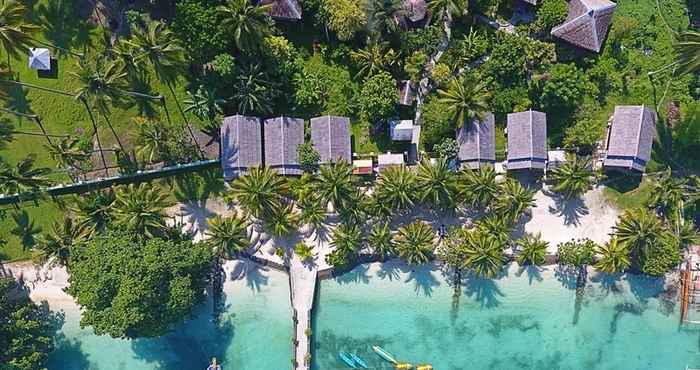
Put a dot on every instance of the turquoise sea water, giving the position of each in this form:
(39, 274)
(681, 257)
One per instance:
(526, 319)
(254, 333)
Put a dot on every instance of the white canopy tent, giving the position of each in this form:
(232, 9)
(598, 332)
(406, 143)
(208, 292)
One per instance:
(40, 59)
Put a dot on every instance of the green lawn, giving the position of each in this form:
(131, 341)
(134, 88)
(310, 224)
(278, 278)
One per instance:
(627, 192)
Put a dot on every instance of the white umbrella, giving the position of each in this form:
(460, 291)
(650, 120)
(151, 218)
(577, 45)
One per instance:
(40, 59)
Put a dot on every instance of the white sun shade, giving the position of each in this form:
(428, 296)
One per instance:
(40, 59)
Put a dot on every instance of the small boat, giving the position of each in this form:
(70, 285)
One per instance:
(384, 354)
(404, 366)
(358, 360)
(347, 359)
(424, 367)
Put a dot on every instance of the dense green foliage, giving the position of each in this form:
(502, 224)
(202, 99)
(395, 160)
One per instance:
(197, 25)
(26, 330)
(377, 99)
(576, 253)
(130, 288)
(308, 157)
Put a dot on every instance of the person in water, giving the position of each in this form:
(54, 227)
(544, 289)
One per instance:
(214, 365)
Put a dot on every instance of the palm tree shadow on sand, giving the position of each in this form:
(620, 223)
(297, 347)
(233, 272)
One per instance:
(423, 278)
(483, 290)
(572, 210)
(533, 273)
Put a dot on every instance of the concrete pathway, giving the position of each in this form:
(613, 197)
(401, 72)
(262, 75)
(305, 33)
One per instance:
(303, 282)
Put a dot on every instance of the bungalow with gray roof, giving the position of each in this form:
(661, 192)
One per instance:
(330, 136)
(586, 24)
(630, 138)
(241, 145)
(477, 142)
(282, 137)
(283, 9)
(527, 140)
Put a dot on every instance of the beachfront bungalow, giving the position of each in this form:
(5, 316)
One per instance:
(587, 23)
(477, 143)
(241, 145)
(283, 9)
(405, 91)
(330, 136)
(282, 137)
(401, 130)
(390, 159)
(527, 140)
(629, 138)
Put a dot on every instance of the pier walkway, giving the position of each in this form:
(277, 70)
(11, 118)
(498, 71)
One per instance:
(303, 284)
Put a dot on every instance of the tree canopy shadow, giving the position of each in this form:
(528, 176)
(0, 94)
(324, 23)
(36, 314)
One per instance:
(390, 271)
(533, 273)
(570, 209)
(646, 287)
(609, 283)
(566, 275)
(256, 276)
(485, 291)
(423, 278)
(356, 275)
(62, 26)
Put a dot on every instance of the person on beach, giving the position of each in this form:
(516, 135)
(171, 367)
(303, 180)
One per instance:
(214, 365)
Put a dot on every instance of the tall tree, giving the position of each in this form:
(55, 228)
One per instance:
(478, 188)
(639, 231)
(228, 236)
(204, 104)
(334, 183)
(380, 240)
(141, 209)
(373, 59)
(514, 200)
(396, 188)
(253, 91)
(437, 184)
(533, 249)
(614, 257)
(687, 48)
(415, 242)
(466, 98)
(667, 194)
(484, 254)
(15, 29)
(248, 22)
(24, 177)
(448, 8)
(69, 152)
(260, 191)
(573, 178)
(382, 15)
(55, 246)
(92, 211)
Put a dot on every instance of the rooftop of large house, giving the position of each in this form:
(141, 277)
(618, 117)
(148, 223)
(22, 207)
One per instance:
(477, 142)
(527, 140)
(241, 145)
(283, 9)
(330, 136)
(282, 137)
(401, 130)
(587, 23)
(630, 138)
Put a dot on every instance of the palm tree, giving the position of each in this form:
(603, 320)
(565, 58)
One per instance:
(346, 242)
(333, 183)
(228, 236)
(383, 15)
(380, 240)
(638, 231)
(667, 193)
(466, 99)
(23, 177)
(478, 188)
(151, 140)
(69, 152)
(687, 48)
(497, 227)
(437, 184)
(260, 191)
(25, 229)
(304, 251)
(396, 188)
(514, 200)
(100, 83)
(56, 245)
(281, 221)
(484, 254)
(252, 90)
(533, 250)
(375, 58)
(205, 105)
(447, 8)
(313, 212)
(248, 22)
(15, 31)
(92, 211)
(415, 242)
(141, 209)
(573, 178)
(614, 257)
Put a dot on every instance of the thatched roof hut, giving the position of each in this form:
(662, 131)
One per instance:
(630, 138)
(283, 9)
(587, 23)
(241, 145)
(330, 136)
(527, 140)
(477, 142)
(282, 137)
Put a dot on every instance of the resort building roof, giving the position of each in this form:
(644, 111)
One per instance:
(401, 130)
(533, 2)
(587, 23)
(527, 140)
(477, 142)
(330, 136)
(241, 145)
(40, 59)
(283, 9)
(630, 138)
(390, 159)
(282, 137)
(416, 9)
(405, 91)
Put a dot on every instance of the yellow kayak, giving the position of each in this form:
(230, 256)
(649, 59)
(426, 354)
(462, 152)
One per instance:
(424, 367)
(404, 366)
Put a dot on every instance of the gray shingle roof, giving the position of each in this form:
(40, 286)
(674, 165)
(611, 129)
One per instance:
(282, 137)
(283, 9)
(630, 137)
(527, 140)
(417, 9)
(241, 145)
(330, 136)
(586, 24)
(477, 142)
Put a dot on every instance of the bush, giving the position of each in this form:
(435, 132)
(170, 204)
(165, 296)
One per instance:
(506, 100)
(583, 135)
(550, 14)
(436, 123)
(577, 253)
(425, 40)
(344, 17)
(198, 27)
(447, 148)
(507, 62)
(564, 88)
(378, 97)
(441, 73)
(324, 88)
(473, 46)
(308, 157)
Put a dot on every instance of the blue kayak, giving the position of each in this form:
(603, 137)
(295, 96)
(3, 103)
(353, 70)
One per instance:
(347, 359)
(359, 361)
